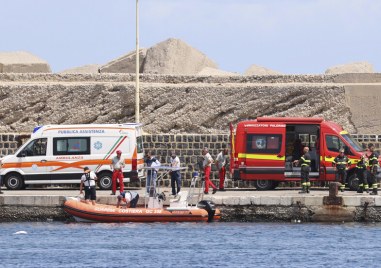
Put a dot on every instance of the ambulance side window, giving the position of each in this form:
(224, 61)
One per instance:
(71, 146)
(264, 143)
(34, 148)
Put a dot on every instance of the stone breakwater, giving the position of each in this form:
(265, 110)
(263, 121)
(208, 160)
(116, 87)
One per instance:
(175, 104)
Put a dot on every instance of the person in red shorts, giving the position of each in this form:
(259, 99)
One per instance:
(207, 165)
(117, 166)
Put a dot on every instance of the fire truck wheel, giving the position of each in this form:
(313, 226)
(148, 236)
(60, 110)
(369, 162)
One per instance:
(353, 182)
(263, 185)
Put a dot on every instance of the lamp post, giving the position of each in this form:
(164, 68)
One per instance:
(137, 93)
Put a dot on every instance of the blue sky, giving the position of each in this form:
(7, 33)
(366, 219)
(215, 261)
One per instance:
(290, 36)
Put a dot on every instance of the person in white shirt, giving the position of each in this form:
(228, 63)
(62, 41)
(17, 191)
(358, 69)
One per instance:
(175, 174)
(117, 166)
(207, 165)
(221, 162)
(151, 161)
(130, 198)
(88, 182)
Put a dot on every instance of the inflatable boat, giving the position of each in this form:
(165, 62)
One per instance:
(83, 212)
(180, 209)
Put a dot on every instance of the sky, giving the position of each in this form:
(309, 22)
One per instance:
(289, 36)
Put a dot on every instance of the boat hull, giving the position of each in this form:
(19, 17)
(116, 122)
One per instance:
(107, 213)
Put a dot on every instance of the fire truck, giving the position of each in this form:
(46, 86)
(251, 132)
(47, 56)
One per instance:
(263, 150)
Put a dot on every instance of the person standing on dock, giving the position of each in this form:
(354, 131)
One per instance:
(88, 182)
(341, 162)
(305, 163)
(175, 174)
(151, 161)
(117, 166)
(207, 165)
(373, 167)
(361, 175)
(221, 162)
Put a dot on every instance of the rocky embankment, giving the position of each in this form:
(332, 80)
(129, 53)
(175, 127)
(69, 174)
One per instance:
(176, 103)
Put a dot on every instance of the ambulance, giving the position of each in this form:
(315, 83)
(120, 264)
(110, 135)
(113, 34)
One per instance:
(57, 154)
(263, 150)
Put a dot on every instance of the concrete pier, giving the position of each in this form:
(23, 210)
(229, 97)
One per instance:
(243, 205)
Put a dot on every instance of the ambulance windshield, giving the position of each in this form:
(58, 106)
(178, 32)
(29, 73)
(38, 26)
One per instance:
(355, 145)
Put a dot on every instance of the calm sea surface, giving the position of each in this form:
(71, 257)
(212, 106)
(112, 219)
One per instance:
(190, 245)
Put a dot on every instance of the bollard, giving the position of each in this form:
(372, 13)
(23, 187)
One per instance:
(332, 198)
(334, 189)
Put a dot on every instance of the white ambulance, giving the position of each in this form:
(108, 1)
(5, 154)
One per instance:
(57, 154)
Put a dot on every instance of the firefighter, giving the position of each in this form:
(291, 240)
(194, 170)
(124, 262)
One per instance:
(305, 163)
(373, 166)
(361, 166)
(341, 162)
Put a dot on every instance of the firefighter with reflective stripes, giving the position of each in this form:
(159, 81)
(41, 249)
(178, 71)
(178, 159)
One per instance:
(305, 163)
(361, 167)
(373, 166)
(341, 162)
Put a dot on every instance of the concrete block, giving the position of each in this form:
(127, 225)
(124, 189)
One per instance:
(1, 200)
(255, 200)
(367, 199)
(231, 201)
(298, 200)
(377, 201)
(313, 200)
(285, 200)
(352, 201)
(270, 200)
(245, 201)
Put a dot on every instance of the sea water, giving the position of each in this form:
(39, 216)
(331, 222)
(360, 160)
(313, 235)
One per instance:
(57, 244)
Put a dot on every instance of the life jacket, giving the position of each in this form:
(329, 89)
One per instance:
(88, 179)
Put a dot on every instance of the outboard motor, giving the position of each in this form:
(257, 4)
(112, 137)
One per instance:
(209, 206)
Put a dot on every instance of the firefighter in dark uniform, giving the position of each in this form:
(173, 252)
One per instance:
(361, 167)
(305, 163)
(373, 166)
(341, 162)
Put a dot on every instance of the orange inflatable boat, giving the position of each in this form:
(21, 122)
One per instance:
(180, 209)
(83, 212)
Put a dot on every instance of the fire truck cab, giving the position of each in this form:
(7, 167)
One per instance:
(263, 150)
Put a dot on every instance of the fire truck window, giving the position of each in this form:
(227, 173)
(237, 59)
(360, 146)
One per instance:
(264, 144)
(333, 143)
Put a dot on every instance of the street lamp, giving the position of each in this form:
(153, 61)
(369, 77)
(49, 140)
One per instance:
(137, 100)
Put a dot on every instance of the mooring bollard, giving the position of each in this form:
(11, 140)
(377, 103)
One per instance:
(332, 198)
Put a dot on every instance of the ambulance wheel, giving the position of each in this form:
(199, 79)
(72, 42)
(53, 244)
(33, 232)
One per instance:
(263, 185)
(105, 180)
(353, 182)
(14, 181)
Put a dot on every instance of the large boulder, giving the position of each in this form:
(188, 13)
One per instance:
(259, 70)
(174, 56)
(355, 67)
(85, 69)
(126, 63)
(22, 62)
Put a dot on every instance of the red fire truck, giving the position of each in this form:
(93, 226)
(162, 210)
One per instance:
(262, 150)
